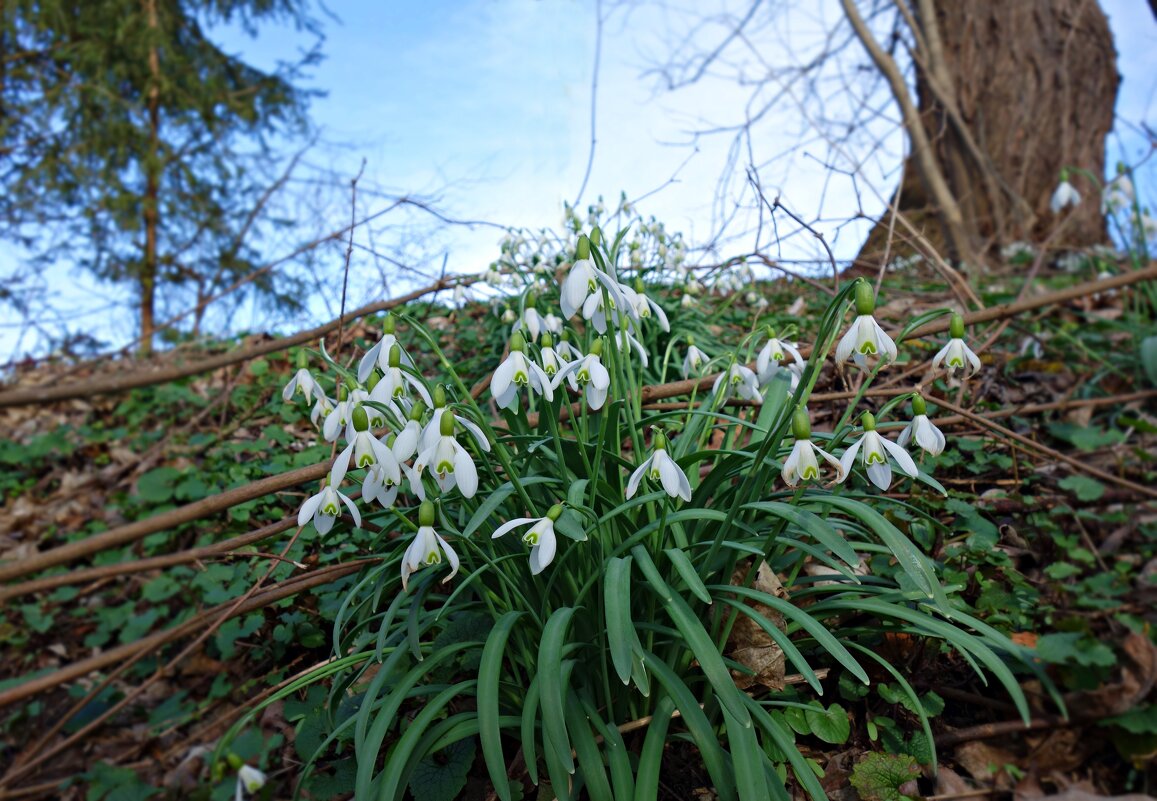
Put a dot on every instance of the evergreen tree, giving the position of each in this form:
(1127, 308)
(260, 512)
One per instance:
(133, 145)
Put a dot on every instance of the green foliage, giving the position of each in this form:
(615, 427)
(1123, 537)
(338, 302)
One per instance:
(631, 617)
(139, 149)
(879, 777)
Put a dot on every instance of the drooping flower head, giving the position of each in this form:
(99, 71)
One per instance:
(1064, 195)
(738, 380)
(865, 337)
(695, 359)
(771, 357)
(540, 537)
(922, 430)
(956, 355)
(660, 467)
(302, 380)
(379, 355)
(427, 547)
(801, 464)
(588, 372)
(519, 371)
(874, 451)
(449, 463)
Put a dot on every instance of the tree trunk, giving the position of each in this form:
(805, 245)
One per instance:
(151, 207)
(1009, 94)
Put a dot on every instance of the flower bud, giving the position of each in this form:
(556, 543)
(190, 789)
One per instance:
(446, 424)
(583, 251)
(956, 327)
(389, 323)
(801, 427)
(865, 300)
(426, 514)
(918, 405)
(361, 420)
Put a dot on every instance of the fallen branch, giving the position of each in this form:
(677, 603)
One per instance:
(142, 528)
(145, 378)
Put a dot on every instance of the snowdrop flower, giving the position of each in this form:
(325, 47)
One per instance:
(1064, 195)
(492, 278)
(1118, 195)
(379, 354)
(551, 362)
(740, 380)
(450, 464)
(531, 321)
(427, 547)
(249, 781)
(689, 302)
(406, 443)
(433, 429)
(692, 287)
(567, 352)
(508, 315)
(540, 537)
(325, 507)
(771, 357)
(302, 380)
(801, 464)
(321, 407)
(518, 371)
(956, 355)
(338, 418)
(629, 343)
(865, 337)
(662, 468)
(583, 281)
(396, 383)
(589, 372)
(364, 449)
(552, 323)
(695, 359)
(922, 430)
(645, 307)
(874, 451)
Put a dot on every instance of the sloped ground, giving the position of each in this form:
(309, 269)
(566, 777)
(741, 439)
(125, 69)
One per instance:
(1050, 474)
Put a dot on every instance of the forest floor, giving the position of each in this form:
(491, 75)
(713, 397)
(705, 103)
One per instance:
(120, 666)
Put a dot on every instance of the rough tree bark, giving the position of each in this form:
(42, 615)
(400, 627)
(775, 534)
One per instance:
(1008, 94)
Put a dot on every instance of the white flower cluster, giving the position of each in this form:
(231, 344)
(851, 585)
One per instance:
(394, 429)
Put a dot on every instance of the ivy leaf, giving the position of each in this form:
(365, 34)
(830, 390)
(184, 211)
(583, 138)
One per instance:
(831, 725)
(1074, 647)
(156, 486)
(442, 776)
(1085, 488)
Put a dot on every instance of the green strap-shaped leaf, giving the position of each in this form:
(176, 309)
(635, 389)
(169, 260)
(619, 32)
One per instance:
(489, 671)
(527, 729)
(698, 641)
(393, 781)
(781, 639)
(786, 744)
(590, 758)
(815, 628)
(687, 572)
(651, 757)
(621, 634)
(553, 698)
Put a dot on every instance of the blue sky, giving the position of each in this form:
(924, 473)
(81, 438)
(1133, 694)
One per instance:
(485, 104)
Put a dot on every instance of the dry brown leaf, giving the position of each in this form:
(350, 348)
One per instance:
(985, 762)
(753, 647)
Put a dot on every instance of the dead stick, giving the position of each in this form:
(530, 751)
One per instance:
(145, 378)
(145, 565)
